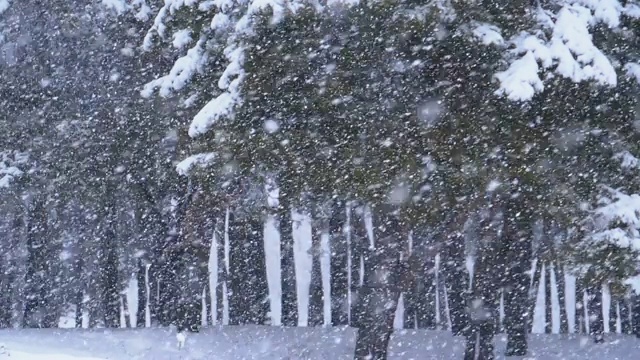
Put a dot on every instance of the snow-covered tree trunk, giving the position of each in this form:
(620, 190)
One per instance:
(339, 264)
(379, 297)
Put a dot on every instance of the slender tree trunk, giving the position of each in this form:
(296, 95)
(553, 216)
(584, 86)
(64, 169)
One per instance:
(141, 314)
(548, 309)
(596, 318)
(79, 295)
(316, 296)
(339, 265)
(109, 286)
(6, 305)
(613, 314)
(564, 316)
(533, 294)
(360, 260)
(222, 272)
(635, 316)
(248, 298)
(39, 310)
(625, 316)
(455, 279)
(518, 236)
(287, 263)
(425, 279)
(380, 290)
(125, 310)
(580, 325)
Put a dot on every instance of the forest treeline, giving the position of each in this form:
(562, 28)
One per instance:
(143, 138)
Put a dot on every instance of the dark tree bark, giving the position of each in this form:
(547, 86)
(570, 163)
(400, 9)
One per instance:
(533, 293)
(6, 304)
(248, 289)
(287, 264)
(359, 248)
(625, 316)
(635, 316)
(564, 316)
(339, 265)
(380, 290)
(141, 314)
(79, 295)
(580, 325)
(456, 282)
(109, 286)
(518, 236)
(548, 309)
(39, 307)
(613, 315)
(222, 284)
(316, 295)
(596, 318)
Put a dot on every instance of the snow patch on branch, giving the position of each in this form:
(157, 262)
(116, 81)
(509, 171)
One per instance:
(9, 166)
(633, 70)
(520, 82)
(185, 166)
(182, 72)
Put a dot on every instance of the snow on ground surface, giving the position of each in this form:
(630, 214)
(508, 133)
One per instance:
(270, 343)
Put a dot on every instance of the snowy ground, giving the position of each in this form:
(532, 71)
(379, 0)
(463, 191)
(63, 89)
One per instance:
(270, 343)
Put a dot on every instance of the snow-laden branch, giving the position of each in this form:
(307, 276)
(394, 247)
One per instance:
(569, 50)
(10, 163)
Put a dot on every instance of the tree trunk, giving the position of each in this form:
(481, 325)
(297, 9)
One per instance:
(79, 295)
(456, 283)
(635, 316)
(248, 295)
(39, 309)
(141, 277)
(625, 316)
(564, 316)
(287, 264)
(6, 304)
(316, 295)
(533, 293)
(380, 290)
(613, 315)
(596, 319)
(517, 237)
(359, 248)
(580, 325)
(548, 309)
(339, 265)
(109, 286)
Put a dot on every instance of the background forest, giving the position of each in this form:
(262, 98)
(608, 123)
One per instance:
(446, 155)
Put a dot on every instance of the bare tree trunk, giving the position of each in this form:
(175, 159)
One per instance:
(316, 294)
(548, 309)
(287, 264)
(625, 315)
(564, 316)
(533, 293)
(339, 265)
(380, 290)
(596, 318)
